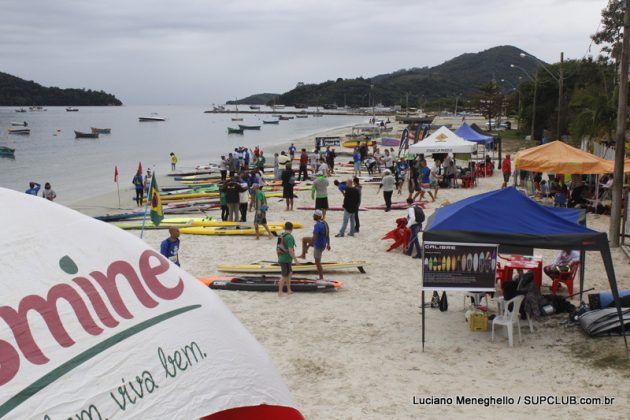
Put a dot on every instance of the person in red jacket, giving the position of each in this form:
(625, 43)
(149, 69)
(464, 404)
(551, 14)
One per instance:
(506, 168)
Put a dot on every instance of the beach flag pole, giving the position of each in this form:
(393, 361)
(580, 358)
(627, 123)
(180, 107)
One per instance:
(146, 207)
(153, 198)
(117, 184)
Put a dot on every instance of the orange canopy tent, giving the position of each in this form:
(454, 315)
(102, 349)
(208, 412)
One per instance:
(559, 157)
(626, 166)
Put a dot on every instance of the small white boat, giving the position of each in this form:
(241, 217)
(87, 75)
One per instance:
(71, 109)
(254, 107)
(19, 123)
(20, 110)
(152, 117)
(37, 108)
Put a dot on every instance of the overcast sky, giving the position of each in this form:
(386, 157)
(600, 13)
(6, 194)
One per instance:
(210, 51)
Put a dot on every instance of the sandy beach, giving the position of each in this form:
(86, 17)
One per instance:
(357, 353)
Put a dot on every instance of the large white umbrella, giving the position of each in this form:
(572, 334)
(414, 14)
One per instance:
(96, 324)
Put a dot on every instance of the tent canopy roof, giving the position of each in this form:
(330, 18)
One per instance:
(467, 133)
(508, 217)
(443, 140)
(559, 157)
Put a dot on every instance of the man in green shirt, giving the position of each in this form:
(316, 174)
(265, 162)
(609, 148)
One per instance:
(260, 163)
(286, 255)
(260, 217)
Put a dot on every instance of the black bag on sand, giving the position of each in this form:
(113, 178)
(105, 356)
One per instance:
(443, 303)
(435, 300)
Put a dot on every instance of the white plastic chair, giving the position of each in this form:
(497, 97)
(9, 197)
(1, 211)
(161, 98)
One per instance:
(477, 298)
(509, 318)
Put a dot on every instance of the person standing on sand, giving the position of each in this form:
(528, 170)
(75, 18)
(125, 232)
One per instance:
(285, 248)
(288, 182)
(319, 192)
(137, 182)
(320, 241)
(415, 217)
(232, 197)
(243, 200)
(303, 173)
(292, 151)
(260, 217)
(173, 161)
(351, 199)
(33, 188)
(170, 246)
(359, 188)
(260, 163)
(387, 184)
(356, 160)
(506, 168)
(425, 181)
(49, 193)
(223, 167)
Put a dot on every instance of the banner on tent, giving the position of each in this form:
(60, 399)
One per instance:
(459, 266)
(327, 141)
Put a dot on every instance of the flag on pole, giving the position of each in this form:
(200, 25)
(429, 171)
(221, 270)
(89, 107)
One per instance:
(140, 167)
(157, 214)
(116, 174)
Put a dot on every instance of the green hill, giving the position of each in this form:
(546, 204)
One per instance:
(258, 99)
(19, 92)
(462, 75)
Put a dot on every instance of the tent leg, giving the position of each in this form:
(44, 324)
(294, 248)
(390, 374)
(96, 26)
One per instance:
(422, 306)
(582, 268)
(610, 272)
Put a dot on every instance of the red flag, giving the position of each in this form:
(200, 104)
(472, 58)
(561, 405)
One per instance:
(116, 174)
(140, 167)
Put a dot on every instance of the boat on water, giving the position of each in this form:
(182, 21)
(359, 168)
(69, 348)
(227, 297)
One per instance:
(235, 130)
(317, 114)
(283, 118)
(152, 117)
(101, 130)
(19, 123)
(301, 116)
(6, 151)
(72, 109)
(20, 110)
(82, 135)
(254, 107)
(37, 108)
(249, 127)
(24, 131)
(219, 108)
(271, 121)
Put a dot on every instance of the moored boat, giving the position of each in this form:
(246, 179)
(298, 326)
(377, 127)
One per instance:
(20, 110)
(82, 135)
(235, 130)
(237, 119)
(152, 117)
(19, 131)
(271, 121)
(254, 107)
(249, 127)
(6, 151)
(101, 130)
(71, 109)
(19, 123)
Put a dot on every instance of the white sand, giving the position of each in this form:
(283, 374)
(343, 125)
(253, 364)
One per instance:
(357, 354)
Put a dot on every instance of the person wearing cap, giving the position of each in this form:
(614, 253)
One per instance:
(260, 217)
(320, 241)
(506, 168)
(387, 184)
(319, 193)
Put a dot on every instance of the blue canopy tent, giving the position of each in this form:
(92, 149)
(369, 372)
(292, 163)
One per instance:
(467, 133)
(518, 224)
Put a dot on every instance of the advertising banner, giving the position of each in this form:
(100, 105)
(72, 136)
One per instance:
(327, 141)
(459, 266)
(96, 324)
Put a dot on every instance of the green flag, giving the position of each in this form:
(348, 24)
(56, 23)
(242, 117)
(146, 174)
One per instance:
(157, 214)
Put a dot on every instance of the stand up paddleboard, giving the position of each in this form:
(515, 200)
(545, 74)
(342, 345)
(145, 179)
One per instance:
(271, 267)
(268, 284)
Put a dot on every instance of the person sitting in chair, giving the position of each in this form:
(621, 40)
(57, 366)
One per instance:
(562, 263)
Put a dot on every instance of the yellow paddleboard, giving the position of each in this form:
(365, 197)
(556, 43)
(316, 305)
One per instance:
(229, 230)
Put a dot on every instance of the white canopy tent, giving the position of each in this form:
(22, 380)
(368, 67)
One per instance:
(443, 141)
(95, 323)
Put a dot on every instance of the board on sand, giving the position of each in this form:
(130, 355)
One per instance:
(268, 284)
(230, 230)
(271, 267)
(328, 209)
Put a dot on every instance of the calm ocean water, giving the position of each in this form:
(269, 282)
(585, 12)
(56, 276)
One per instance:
(81, 168)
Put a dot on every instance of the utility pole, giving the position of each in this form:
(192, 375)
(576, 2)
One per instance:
(533, 134)
(617, 187)
(560, 83)
(407, 102)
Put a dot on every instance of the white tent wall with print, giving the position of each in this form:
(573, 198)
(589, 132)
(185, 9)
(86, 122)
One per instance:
(91, 317)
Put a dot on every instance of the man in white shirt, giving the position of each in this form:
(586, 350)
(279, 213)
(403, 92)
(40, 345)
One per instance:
(387, 184)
